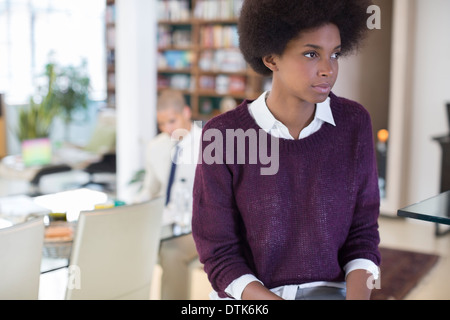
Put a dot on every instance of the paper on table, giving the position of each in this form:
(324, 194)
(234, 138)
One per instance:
(17, 208)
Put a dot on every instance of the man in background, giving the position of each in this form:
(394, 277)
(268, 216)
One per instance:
(163, 172)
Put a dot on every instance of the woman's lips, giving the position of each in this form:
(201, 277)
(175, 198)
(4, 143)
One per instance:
(322, 87)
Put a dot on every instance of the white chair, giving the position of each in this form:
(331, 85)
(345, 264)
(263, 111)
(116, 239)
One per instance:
(114, 252)
(20, 259)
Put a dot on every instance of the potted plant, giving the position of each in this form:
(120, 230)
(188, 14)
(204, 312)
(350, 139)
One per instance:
(35, 120)
(72, 92)
(66, 91)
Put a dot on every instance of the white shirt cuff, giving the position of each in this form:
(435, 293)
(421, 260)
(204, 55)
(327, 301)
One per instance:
(237, 286)
(364, 264)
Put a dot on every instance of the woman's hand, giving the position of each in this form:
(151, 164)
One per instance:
(256, 291)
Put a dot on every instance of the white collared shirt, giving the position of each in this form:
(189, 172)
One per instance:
(265, 119)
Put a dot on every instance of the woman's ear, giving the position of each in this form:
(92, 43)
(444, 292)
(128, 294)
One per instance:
(270, 62)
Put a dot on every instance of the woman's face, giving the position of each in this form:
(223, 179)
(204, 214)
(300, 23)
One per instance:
(308, 67)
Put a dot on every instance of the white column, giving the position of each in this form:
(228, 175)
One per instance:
(135, 87)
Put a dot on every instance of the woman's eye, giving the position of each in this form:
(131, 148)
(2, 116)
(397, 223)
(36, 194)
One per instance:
(336, 55)
(310, 54)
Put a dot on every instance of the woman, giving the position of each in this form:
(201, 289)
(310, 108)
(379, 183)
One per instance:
(310, 230)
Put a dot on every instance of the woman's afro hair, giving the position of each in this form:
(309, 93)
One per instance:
(266, 26)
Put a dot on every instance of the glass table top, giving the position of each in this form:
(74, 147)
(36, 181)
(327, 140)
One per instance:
(435, 209)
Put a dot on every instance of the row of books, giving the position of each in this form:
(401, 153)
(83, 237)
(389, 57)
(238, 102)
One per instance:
(110, 14)
(211, 36)
(175, 59)
(217, 9)
(219, 36)
(179, 10)
(168, 36)
(222, 60)
(111, 37)
(173, 10)
(223, 84)
(175, 81)
(111, 80)
(110, 57)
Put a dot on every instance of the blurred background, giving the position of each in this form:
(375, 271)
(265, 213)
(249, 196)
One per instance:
(93, 69)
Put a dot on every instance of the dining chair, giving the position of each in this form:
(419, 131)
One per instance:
(114, 252)
(20, 260)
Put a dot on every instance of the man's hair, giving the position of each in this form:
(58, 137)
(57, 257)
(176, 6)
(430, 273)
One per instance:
(171, 99)
(266, 26)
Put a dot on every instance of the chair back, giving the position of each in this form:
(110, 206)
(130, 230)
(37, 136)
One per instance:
(114, 252)
(20, 260)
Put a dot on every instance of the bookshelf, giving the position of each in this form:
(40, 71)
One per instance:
(198, 53)
(110, 28)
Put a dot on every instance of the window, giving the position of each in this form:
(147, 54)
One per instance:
(31, 30)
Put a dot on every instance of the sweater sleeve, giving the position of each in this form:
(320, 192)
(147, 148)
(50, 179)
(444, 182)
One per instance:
(363, 237)
(215, 219)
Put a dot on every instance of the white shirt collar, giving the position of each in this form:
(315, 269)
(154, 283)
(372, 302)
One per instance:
(323, 112)
(265, 119)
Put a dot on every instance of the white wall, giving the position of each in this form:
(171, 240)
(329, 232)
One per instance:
(365, 76)
(430, 92)
(419, 88)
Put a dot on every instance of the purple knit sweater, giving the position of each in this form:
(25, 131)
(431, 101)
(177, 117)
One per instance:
(302, 224)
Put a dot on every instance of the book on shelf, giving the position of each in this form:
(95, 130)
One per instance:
(110, 57)
(175, 81)
(167, 37)
(175, 59)
(164, 36)
(207, 82)
(233, 84)
(110, 14)
(222, 60)
(206, 106)
(111, 80)
(111, 37)
(237, 84)
(219, 36)
(181, 38)
(217, 9)
(173, 10)
(180, 82)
